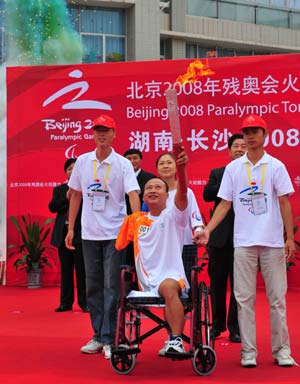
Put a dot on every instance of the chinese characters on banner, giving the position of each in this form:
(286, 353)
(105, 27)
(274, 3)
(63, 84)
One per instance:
(51, 109)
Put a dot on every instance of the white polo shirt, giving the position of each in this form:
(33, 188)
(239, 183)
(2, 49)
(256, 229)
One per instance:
(249, 229)
(114, 174)
(158, 243)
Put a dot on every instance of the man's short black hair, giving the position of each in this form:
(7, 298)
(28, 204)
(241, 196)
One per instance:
(69, 162)
(133, 151)
(233, 138)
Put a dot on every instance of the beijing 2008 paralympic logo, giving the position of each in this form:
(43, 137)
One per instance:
(82, 87)
(246, 200)
(75, 103)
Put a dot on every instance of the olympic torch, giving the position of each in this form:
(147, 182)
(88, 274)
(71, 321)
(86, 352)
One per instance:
(195, 70)
(172, 106)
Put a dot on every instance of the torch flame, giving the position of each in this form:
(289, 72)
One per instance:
(194, 71)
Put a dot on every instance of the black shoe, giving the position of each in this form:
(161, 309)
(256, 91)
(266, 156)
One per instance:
(235, 337)
(217, 332)
(85, 308)
(63, 308)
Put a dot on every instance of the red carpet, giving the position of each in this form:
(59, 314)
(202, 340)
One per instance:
(39, 346)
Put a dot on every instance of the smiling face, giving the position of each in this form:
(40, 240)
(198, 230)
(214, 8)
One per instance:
(103, 136)
(155, 194)
(135, 161)
(166, 167)
(237, 149)
(254, 137)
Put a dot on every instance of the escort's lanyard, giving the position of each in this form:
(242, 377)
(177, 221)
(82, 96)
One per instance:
(106, 174)
(262, 181)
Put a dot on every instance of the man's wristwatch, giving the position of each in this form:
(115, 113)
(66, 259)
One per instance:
(198, 229)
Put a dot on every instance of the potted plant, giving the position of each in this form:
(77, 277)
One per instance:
(32, 249)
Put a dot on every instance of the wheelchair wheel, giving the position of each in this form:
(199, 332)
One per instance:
(204, 361)
(206, 316)
(122, 363)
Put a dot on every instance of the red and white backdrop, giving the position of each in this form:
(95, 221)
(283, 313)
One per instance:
(51, 108)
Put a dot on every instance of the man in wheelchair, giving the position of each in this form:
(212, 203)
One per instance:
(158, 237)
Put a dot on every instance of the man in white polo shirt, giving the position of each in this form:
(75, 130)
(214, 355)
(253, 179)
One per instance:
(258, 186)
(101, 178)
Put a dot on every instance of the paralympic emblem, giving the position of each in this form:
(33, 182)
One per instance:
(196, 215)
(246, 201)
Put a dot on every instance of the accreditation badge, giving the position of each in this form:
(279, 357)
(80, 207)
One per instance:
(259, 204)
(99, 201)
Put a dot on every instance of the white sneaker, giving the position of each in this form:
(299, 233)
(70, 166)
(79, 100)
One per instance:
(106, 351)
(162, 351)
(285, 360)
(175, 346)
(248, 361)
(92, 346)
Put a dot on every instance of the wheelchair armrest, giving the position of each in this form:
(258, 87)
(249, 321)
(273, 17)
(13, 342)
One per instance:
(128, 279)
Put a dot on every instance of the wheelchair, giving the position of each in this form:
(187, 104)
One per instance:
(197, 310)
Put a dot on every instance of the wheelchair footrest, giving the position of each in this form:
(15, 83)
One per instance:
(178, 355)
(126, 351)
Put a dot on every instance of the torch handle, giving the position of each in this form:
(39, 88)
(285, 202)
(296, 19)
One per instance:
(172, 106)
(181, 169)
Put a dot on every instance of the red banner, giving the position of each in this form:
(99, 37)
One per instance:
(51, 108)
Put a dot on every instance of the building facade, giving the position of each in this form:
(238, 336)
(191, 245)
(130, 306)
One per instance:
(130, 30)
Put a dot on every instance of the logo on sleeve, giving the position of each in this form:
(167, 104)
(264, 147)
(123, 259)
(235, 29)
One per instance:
(196, 216)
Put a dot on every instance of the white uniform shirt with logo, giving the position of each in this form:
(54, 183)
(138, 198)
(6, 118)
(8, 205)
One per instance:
(120, 180)
(160, 249)
(249, 229)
